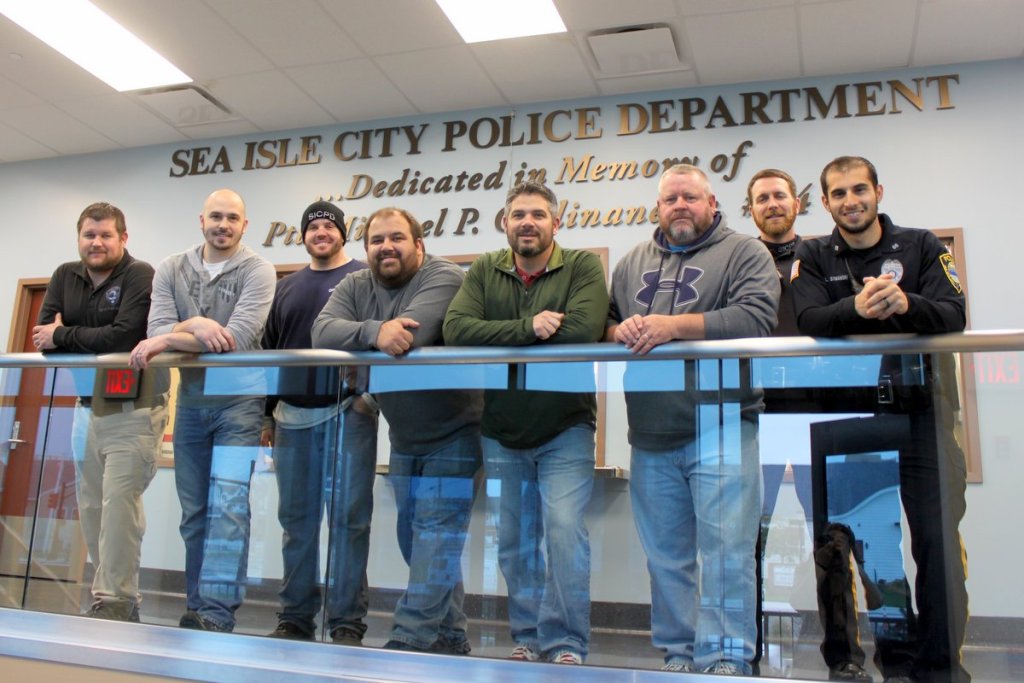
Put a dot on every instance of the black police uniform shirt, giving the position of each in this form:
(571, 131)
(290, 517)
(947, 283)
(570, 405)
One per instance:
(827, 273)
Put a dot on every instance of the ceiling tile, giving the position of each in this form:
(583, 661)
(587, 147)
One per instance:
(443, 79)
(269, 100)
(17, 147)
(13, 95)
(122, 120)
(189, 34)
(689, 8)
(394, 26)
(954, 31)
(744, 46)
(224, 129)
(59, 130)
(289, 33)
(856, 35)
(514, 65)
(355, 90)
(41, 70)
(650, 82)
(605, 14)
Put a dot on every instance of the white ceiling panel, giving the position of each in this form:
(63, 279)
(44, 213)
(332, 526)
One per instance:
(604, 14)
(60, 131)
(122, 120)
(223, 129)
(41, 70)
(271, 101)
(289, 33)
(650, 82)
(856, 35)
(391, 26)
(957, 31)
(14, 146)
(13, 95)
(691, 8)
(355, 90)
(191, 35)
(514, 66)
(744, 46)
(443, 79)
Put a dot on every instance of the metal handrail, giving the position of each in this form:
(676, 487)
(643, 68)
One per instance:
(770, 347)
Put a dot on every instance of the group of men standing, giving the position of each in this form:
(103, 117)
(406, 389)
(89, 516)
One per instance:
(695, 472)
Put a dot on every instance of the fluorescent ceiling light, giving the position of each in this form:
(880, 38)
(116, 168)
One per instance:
(481, 20)
(88, 37)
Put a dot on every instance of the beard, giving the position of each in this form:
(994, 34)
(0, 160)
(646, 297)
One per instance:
(392, 276)
(772, 226)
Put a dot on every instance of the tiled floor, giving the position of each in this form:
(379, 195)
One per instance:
(792, 652)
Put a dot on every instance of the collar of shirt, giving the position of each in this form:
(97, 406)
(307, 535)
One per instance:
(529, 278)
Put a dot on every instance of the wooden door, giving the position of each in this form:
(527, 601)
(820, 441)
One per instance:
(38, 506)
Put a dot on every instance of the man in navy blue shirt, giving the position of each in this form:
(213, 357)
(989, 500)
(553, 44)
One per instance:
(324, 446)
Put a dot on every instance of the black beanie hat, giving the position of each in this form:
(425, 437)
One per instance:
(323, 210)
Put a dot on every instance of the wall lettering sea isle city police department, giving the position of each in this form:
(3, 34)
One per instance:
(675, 116)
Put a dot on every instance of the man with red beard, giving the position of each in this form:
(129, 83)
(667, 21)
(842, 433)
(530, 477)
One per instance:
(871, 276)
(395, 306)
(324, 446)
(774, 205)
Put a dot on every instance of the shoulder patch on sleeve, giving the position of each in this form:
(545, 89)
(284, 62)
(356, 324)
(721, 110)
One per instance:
(949, 267)
(794, 271)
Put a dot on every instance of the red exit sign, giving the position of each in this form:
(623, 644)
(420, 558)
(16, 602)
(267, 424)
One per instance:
(120, 383)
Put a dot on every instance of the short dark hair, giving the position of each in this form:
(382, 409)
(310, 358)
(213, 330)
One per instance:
(533, 187)
(771, 173)
(415, 227)
(845, 164)
(101, 211)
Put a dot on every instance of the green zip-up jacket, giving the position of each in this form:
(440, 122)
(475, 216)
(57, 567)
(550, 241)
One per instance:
(494, 308)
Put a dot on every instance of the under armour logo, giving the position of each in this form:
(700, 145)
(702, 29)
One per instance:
(684, 290)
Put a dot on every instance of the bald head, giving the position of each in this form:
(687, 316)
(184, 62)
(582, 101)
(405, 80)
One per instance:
(223, 223)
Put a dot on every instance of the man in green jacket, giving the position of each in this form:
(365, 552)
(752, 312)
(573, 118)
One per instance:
(538, 445)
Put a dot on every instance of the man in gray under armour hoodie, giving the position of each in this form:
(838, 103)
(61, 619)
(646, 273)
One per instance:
(695, 480)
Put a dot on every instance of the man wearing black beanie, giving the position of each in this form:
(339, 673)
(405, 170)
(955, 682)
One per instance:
(324, 445)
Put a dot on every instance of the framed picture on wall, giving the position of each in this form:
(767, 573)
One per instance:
(966, 427)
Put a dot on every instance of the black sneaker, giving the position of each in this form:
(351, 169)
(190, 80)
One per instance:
(286, 629)
(849, 671)
(196, 621)
(448, 645)
(346, 636)
(404, 647)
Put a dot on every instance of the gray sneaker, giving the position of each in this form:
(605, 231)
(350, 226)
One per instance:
(723, 668)
(678, 665)
(114, 611)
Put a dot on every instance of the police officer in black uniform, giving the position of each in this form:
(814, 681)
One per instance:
(871, 276)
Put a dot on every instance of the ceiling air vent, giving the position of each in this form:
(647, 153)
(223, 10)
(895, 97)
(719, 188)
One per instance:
(633, 51)
(185, 106)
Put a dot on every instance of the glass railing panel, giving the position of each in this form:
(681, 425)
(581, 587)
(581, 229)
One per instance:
(25, 417)
(834, 410)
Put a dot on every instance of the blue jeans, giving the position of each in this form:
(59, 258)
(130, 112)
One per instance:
(434, 496)
(333, 464)
(542, 495)
(703, 497)
(214, 452)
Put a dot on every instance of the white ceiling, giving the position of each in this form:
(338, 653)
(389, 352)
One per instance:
(283, 64)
